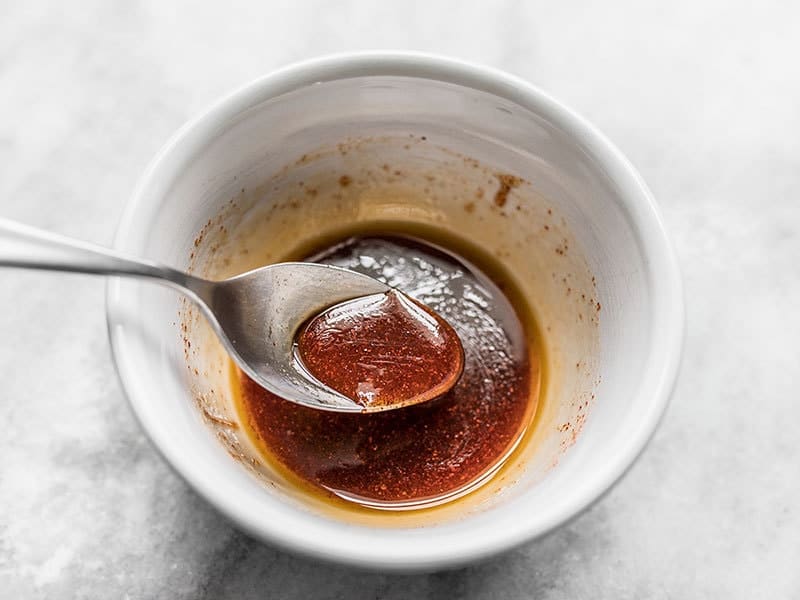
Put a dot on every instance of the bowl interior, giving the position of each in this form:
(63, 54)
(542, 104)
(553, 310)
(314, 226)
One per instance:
(599, 278)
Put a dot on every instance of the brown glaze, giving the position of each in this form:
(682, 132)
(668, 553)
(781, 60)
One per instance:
(382, 351)
(430, 451)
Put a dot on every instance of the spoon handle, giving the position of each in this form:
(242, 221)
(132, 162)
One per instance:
(30, 248)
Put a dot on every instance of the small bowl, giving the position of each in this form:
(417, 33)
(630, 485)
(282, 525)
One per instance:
(609, 391)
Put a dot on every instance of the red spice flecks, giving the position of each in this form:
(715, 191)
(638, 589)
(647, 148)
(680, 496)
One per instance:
(382, 350)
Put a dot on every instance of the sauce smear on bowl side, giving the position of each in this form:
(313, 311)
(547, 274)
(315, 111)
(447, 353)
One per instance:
(382, 351)
(435, 451)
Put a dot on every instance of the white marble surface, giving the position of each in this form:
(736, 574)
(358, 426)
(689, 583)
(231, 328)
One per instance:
(704, 97)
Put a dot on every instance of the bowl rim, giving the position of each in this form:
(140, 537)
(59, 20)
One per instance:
(359, 546)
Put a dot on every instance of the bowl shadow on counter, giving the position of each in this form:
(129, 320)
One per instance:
(243, 568)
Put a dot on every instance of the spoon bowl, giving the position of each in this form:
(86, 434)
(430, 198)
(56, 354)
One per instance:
(257, 314)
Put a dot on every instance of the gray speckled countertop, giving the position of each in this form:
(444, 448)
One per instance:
(704, 97)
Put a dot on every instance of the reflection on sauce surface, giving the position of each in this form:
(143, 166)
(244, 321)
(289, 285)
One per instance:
(423, 454)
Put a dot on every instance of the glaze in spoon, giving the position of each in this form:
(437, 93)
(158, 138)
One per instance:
(256, 315)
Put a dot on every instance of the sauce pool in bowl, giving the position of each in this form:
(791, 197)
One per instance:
(430, 453)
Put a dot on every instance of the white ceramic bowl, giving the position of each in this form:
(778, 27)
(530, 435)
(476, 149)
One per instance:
(603, 201)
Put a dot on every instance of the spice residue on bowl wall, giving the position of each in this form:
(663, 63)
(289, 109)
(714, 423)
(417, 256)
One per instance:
(507, 183)
(393, 183)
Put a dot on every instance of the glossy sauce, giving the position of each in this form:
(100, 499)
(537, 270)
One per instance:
(431, 452)
(382, 351)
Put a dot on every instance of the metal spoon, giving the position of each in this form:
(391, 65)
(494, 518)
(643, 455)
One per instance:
(255, 314)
